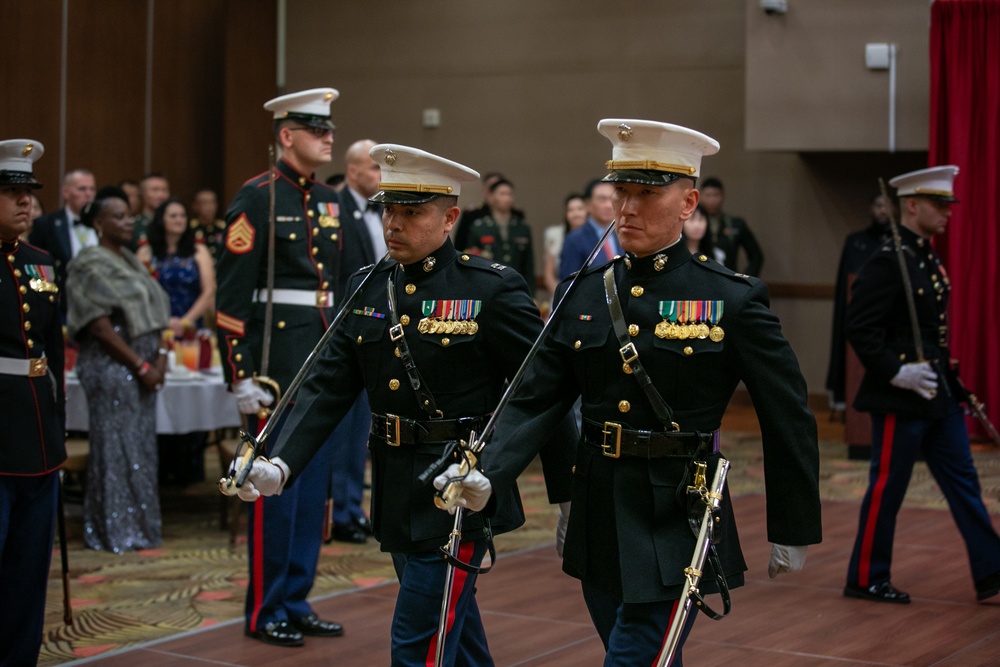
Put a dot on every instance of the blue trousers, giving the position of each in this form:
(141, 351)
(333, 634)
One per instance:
(285, 534)
(944, 443)
(633, 633)
(350, 443)
(418, 609)
(27, 516)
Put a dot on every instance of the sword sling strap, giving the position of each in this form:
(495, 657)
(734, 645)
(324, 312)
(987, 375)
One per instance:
(720, 580)
(424, 396)
(630, 356)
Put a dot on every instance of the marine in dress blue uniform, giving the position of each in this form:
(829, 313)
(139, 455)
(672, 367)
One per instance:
(697, 329)
(34, 404)
(311, 249)
(466, 323)
(912, 396)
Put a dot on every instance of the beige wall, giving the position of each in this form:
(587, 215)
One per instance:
(521, 85)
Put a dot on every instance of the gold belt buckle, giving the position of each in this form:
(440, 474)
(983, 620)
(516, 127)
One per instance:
(322, 299)
(392, 430)
(37, 367)
(607, 450)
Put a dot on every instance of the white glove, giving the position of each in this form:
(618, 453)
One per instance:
(476, 489)
(785, 559)
(266, 478)
(250, 396)
(918, 377)
(561, 526)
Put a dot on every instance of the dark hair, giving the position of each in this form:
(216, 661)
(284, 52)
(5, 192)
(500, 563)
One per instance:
(128, 181)
(712, 182)
(93, 208)
(156, 235)
(570, 197)
(588, 191)
(333, 180)
(501, 181)
(152, 174)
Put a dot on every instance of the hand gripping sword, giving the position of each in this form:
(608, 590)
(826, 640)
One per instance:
(238, 472)
(447, 498)
(712, 497)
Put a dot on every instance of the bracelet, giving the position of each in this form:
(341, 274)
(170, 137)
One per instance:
(143, 369)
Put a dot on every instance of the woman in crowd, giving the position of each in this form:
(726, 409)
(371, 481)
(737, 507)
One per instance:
(697, 238)
(182, 266)
(575, 215)
(118, 313)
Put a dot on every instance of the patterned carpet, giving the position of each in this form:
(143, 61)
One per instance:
(196, 580)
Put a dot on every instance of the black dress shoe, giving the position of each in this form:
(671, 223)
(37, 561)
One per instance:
(883, 592)
(312, 625)
(279, 633)
(349, 532)
(364, 523)
(988, 587)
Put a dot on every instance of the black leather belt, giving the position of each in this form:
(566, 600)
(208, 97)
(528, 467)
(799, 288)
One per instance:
(396, 430)
(615, 441)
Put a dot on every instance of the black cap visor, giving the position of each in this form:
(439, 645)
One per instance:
(643, 176)
(11, 177)
(311, 120)
(402, 197)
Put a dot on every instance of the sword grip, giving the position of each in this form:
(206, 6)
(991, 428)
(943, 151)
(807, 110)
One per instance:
(447, 498)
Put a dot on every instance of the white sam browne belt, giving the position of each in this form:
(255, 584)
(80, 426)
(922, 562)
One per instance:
(23, 367)
(296, 297)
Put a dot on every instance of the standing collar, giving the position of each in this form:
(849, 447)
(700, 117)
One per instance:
(301, 181)
(434, 262)
(663, 261)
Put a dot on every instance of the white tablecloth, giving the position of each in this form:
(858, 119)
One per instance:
(183, 405)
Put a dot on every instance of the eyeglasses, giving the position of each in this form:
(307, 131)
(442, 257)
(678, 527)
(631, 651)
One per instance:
(318, 132)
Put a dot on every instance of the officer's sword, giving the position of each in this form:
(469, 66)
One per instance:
(911, 305)
(712, 497)
(265, 355)
(448, 497)
(230, 485)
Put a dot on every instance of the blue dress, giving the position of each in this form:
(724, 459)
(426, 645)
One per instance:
(180, 277)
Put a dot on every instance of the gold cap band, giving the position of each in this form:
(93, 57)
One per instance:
(648, 164)
(417, 187)
(933, 193)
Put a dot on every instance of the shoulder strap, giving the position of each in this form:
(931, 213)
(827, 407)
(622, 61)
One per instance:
(424, 395)
(631, 356)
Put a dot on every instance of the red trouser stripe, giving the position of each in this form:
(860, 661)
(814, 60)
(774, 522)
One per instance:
(465, 551)
(673, 612)
(865, 559)
(257, 562)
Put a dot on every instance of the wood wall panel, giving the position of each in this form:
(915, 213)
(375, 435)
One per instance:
(30, 33)
(188, 70)
(106, 93)
(250, 80)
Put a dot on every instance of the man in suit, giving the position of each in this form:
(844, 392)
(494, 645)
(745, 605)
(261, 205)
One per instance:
(61, 233)
(688, 331)
(432, 338)
(350, 438)
(730, 234)
(285, 532)
(34, 407)
(912, 394)
(580, 242)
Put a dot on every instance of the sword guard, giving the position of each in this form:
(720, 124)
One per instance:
(269, 383)
(230, 486)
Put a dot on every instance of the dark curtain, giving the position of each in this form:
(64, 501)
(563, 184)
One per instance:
(965, 131)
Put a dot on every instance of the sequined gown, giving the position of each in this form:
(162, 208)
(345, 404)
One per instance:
(121, 508)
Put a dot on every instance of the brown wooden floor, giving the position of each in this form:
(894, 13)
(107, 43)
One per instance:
(535, 616)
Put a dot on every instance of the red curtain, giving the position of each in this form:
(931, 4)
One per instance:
(965, 131)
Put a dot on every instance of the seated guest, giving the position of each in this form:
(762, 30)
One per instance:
(696, 238)
(183, 267)
(118, 313)
(575, 216)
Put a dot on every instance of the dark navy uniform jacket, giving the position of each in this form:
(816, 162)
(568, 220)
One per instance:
(628, 531)
(465, 372)
(34, 408)
(485, 239)
(879, 329)
(312, 253)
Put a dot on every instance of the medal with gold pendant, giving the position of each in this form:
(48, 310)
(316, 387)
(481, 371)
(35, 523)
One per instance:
(714, 315)
(668, 327)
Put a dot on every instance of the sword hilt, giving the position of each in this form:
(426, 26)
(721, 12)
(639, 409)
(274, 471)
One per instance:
(447, 498)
